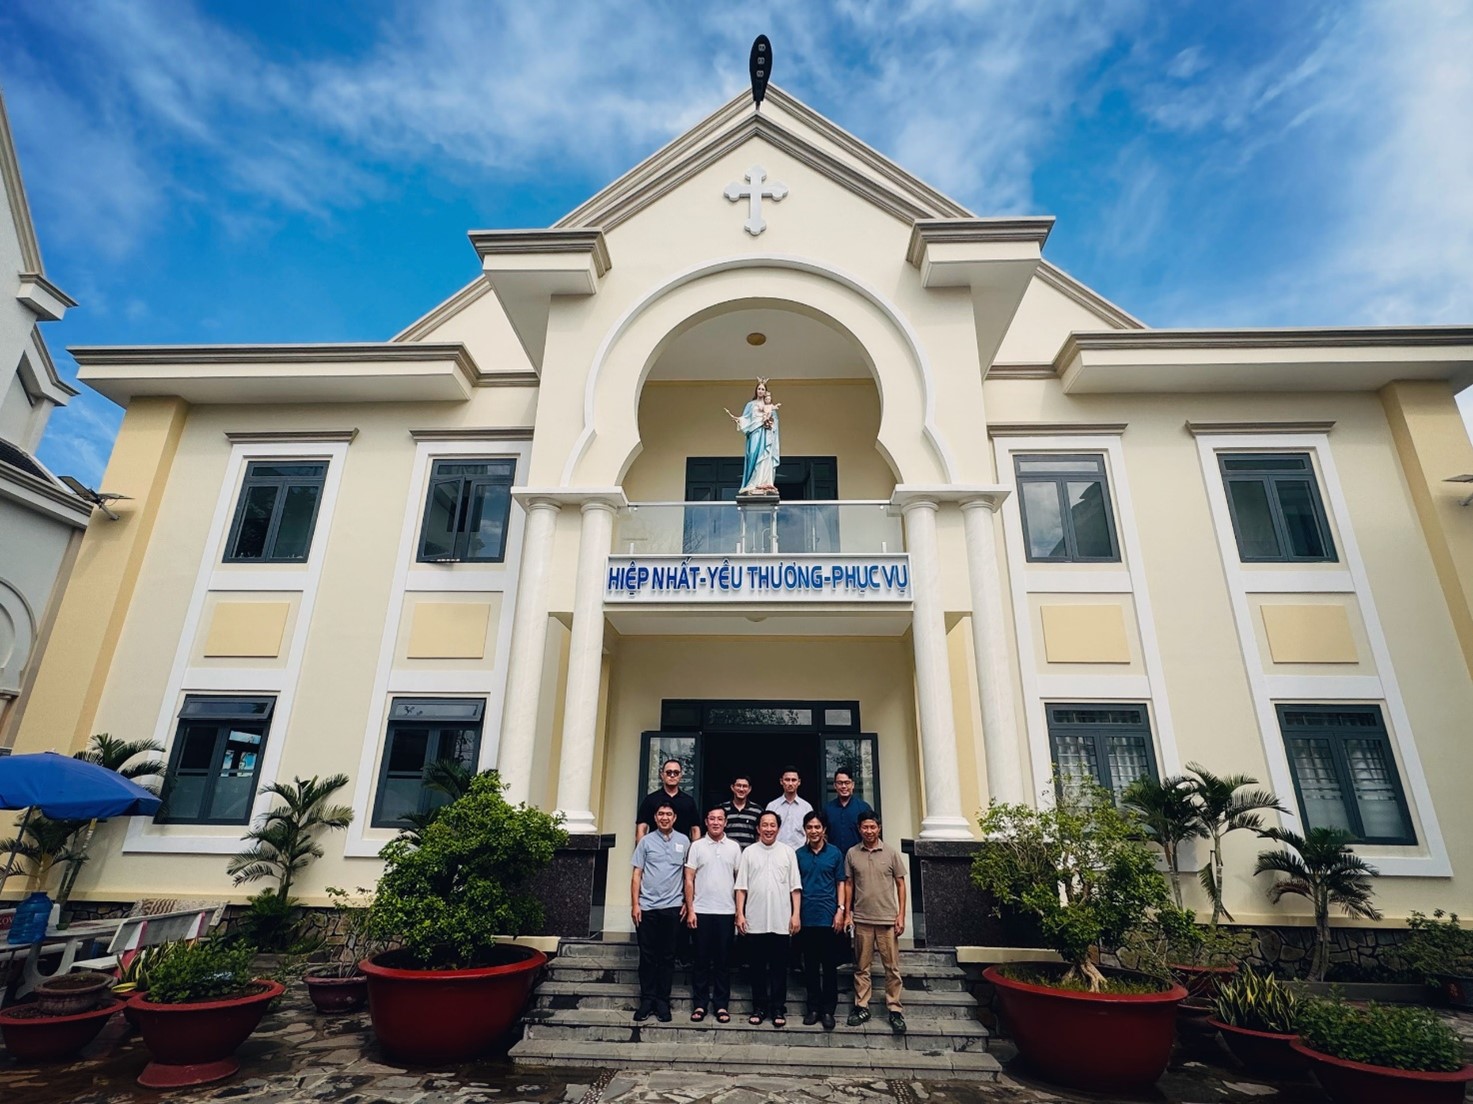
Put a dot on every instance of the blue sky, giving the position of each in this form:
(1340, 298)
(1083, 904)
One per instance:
(246, 172)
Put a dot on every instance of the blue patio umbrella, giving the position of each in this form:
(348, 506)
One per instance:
(64, 788)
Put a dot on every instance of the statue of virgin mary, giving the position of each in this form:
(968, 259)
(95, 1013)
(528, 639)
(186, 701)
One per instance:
(758, 421)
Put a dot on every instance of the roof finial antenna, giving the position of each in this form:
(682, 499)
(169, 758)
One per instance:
(761, 67)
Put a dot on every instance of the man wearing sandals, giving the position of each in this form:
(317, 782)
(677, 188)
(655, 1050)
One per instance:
(877, 903)
(768, 895)
(710, 912)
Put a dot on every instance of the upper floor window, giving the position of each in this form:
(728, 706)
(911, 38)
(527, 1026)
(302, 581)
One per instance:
(424, 732)
(1065, 502)
(1344, 772)
(1109, 745)
(1275, 505)
(467, 511)
(216, 760)
(276, 512)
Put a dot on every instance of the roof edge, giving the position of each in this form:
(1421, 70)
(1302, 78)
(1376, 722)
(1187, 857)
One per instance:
(15, 191)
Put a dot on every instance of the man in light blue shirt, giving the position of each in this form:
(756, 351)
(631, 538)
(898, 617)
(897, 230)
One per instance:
(790, 809)
(657, 905)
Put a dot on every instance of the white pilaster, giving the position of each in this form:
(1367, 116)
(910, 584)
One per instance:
(943, 819)
(585, 660)
(989, 642)
(528, 647)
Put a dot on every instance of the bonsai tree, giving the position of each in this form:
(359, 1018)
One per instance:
(1322, 868)
(1225, 804)
(1080, 867)
(281, 846)
(1168, 816)
(446, 892)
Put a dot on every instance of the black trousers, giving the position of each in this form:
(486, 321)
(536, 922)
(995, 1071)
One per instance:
(768, 955)
(711, 977)
(658, 929)
(820, 949)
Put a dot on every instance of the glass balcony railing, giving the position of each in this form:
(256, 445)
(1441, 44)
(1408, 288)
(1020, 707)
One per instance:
(782, 528)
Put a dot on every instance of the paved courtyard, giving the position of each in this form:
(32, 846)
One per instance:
(297, 1055)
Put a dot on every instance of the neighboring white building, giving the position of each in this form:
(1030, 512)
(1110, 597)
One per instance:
(1020, 530)
(40, 520)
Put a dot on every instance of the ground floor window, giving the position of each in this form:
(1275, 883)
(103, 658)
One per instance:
(1344, 772)
(215, 760)
(423, 732)
(1106, 744)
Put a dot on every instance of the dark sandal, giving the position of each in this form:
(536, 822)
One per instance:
(779, 1021)
(698, 1015)
(755, 1018)
(723, 1016)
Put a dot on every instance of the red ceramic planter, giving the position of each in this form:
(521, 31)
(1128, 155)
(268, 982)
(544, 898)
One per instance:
(194, 1044)
(434, 1017)
(1097, 1041)
(1358, 1083)
(1202, 982)
(336, 994)
(52, 1038)
(1263, 1052)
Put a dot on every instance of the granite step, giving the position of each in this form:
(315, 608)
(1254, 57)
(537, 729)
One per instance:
(608, 950)
(562, 995)
(714, 1057)
(618, 1026)
(935, 978)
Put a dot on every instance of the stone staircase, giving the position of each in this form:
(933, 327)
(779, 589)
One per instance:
(581, 1016)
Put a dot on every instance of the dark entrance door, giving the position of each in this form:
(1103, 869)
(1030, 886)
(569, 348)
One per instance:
(715, 740)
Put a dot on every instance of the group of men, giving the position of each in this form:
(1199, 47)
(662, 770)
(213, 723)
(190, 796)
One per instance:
(761, 885)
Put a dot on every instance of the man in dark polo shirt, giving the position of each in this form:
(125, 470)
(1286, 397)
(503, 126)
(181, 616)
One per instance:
(844, 811)
(824, 915)
(741, 814)
(687, 816)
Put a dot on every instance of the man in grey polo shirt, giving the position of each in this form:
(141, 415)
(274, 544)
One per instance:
(656, 896)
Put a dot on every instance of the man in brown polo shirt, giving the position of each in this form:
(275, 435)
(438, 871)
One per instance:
(877, 903)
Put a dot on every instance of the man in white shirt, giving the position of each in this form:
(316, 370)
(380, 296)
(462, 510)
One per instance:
(790, 810)
(768, 892)
(710, 911)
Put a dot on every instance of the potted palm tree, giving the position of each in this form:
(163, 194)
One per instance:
(1322, 868)
(1080, 868)
(202, 1003)
(1376, 1053)
(448, 891)
(281, 846)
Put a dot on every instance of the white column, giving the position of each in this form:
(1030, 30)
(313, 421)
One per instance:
(523, 697)
(990, 643)
(585, 661)
(943, 819)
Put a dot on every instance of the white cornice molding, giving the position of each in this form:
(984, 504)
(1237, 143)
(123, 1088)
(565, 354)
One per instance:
(516, 243)
(1207, 429)
(1262, 360)
(612, 497)
(284, 436)
(1056, 429)
(1021, 372)
(15, 194)
(45, 383)
(326, 373)
(43, 298)
(43, 496)
(907, 495)
(975, 231)
(473, 433)
(1091, 300)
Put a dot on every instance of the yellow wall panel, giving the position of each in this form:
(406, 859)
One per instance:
(449, 630)
(247, 629)
(1309, 634)
(1085, 634)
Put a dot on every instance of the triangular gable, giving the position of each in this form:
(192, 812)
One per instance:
(15, 192)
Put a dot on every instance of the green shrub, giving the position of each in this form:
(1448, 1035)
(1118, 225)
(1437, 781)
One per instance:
(203, 971)
(445, 898)
(1081, 868)
(1257, 1002)
(272, 924)
(1437, 944)
(1396, 1036)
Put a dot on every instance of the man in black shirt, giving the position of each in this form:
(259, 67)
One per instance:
(741, 814)
(687, 816)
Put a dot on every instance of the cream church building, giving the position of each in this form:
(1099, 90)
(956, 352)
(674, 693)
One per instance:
(1018, 530)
